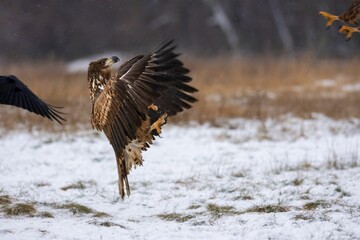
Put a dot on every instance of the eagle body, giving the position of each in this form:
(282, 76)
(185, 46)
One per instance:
(131, 105)
(352, 14)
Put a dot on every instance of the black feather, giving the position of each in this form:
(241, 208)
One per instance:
(14, 92)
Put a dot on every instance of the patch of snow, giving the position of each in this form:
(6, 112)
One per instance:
(298, 89)
(351, 87)
(216, 98)
(326, 83)
(245, 165)
(271, 95)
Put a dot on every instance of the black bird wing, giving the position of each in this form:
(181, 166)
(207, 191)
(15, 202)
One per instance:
(14, 92)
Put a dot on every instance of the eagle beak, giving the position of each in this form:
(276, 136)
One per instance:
(115, 59)
(110, 61)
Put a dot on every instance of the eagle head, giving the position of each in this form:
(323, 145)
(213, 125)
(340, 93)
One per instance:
(103, 64)
(98, 73)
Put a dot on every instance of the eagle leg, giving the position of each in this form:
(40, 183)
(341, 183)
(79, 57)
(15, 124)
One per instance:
(331, 18)
(348, 31)
(157, 125)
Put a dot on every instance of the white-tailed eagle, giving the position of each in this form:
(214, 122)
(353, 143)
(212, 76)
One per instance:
(131, 105)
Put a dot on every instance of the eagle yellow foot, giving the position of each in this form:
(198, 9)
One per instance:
(348, 31)
(331, 18)
(153, 107)
(157, 125)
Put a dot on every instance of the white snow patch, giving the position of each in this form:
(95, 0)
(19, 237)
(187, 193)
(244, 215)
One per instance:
(351, 87)
(243, 165)
(326, 83)
(216, 98)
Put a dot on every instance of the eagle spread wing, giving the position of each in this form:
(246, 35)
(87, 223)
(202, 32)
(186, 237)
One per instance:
(14, 92)
(136, 101)
(350, 16)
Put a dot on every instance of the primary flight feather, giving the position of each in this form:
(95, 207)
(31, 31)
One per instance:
(16, 93)
(131, 105)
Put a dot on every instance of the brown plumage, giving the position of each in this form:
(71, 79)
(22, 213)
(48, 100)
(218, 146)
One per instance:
(350, 16)
(131, 105)
(14, 92)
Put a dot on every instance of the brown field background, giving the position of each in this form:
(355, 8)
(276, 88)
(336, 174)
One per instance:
(255, 88)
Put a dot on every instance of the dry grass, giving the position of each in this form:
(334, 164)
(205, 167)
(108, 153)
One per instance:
(317, 204)
(76, 208)
(268, 209)
(267, 87)
(175, 217)
(107, 224)
(249, 88)
(77, 185)
(46, 215)
(101, 215)
(5, 200)
(217, 211)
(20, 209)
(81, 185)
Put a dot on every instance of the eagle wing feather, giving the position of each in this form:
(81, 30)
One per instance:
(123, 104)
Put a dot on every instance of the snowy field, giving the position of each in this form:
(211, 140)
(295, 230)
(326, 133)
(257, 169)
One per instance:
(243, 179)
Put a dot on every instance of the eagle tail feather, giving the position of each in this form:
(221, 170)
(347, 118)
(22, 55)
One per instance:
(123, 180)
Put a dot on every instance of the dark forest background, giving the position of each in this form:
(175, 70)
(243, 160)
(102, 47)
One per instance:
(66, 30)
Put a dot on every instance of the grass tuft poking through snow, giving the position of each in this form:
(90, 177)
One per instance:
(5, 199)
(46, 215)
(317, 204)
(267, 209)
(76, 208)
(101, 215)
(217, 211)
(20, 209)
(78, 185)
(180, 218)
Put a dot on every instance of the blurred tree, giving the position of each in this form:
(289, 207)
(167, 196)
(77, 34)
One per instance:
(67, 29)
(221, 19)
(281, 26)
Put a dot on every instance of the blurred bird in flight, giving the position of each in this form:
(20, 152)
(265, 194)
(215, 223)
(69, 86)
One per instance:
(350, 16)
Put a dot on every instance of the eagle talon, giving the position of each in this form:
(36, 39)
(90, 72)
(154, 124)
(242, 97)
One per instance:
(153, 107)
(348, 31)
(331, 18)
(157, 125)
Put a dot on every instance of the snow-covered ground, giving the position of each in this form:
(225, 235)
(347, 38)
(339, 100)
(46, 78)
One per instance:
(284, 179)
